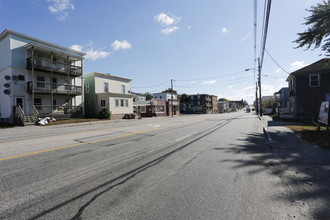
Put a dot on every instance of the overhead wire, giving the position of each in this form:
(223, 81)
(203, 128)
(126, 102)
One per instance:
(276, 62)
(146, 87)
(214, 77)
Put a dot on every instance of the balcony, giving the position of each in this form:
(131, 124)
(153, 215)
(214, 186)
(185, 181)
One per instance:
(55, 88)
(59, 111)
(48, 65)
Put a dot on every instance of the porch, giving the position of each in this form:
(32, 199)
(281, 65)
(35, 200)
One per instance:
(55, 88)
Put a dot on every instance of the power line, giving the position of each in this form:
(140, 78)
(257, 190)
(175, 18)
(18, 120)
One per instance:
(146, 87)
(243, 79)
(214, 77)
(276, 62)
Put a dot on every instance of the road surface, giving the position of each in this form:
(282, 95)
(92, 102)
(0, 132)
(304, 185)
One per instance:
(189, 167)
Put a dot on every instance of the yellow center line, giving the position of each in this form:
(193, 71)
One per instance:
(62, 135)
(79, 144)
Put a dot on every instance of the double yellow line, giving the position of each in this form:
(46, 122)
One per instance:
(79, 144)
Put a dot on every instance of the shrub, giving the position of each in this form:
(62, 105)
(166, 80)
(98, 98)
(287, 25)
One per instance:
(104, 114)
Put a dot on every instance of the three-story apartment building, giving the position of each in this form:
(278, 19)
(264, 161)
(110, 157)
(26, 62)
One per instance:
(38, 78)
(203, 104)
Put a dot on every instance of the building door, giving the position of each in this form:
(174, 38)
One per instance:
(19, 101)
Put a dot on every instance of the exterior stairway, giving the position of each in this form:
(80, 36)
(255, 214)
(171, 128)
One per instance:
(29, 120)
(20, 118)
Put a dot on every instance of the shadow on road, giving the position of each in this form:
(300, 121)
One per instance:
(304, 169)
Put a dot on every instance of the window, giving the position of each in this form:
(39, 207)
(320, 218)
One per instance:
(314, 80)
(117, 102)
(21, 77)
(87, 88)
(126, 103)
(122, 103)
(38, 103)
(106, 87)
(54, 83)
(40, 82)
(123, 89)
(102, 103)
(143, 109)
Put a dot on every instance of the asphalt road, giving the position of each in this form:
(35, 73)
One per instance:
(189, 167)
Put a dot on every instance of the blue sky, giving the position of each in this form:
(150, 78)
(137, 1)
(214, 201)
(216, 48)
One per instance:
(204, 46)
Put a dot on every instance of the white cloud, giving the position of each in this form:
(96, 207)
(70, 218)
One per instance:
(77, 47)
(166, 20)
(169, 30)
(91, 53)
(60, 8)
(121, 45)
(209, 82)
(225, 30)
(189, 27)
(230, 87)
(297, 65)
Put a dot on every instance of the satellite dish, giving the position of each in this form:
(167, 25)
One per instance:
(7, 85)
(7, 77)
(15, 78)
(6, 91)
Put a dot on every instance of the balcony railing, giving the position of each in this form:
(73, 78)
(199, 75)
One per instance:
(55, 88)
(48, 65)
(60, 111)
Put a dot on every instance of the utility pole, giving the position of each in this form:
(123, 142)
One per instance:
(257, 106)
(259, 82)
(172, 97)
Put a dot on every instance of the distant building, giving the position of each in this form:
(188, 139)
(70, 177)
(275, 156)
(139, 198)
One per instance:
(215, 109)
(267, 104)
(203, 104)
(282, 103)
(106, 91)
(150, 108)
(172, 102)
(223, 106)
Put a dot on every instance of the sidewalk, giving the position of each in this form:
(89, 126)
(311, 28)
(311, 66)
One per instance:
(304, 169)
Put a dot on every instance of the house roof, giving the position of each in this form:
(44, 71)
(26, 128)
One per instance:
(108, 76)
(7, 32)
(320, 66)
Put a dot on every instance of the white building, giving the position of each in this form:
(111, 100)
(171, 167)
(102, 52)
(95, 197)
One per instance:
(38, 78)
(109, 92)
(165, 96)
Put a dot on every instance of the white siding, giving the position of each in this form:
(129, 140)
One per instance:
(5, 53)
(114, 85)
(119, 109)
